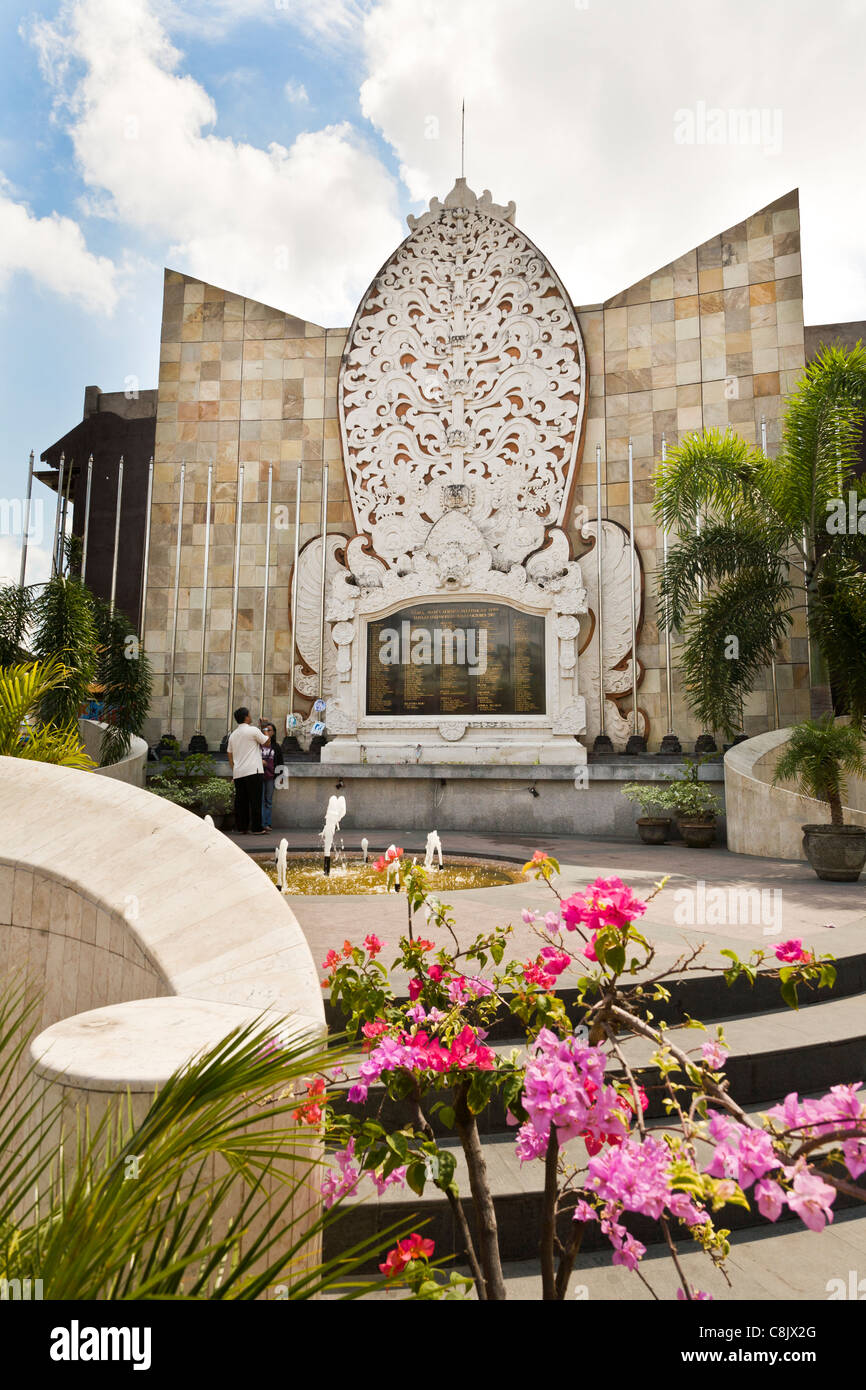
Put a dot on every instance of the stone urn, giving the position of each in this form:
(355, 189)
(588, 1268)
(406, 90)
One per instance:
(837, 853)
(653, 830)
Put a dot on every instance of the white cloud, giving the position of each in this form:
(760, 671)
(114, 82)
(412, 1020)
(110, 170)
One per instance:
(301, 227)
(296, 93)
(334, 22)
(52, 250)
(571, 111)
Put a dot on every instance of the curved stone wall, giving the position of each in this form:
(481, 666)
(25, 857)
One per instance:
(150, 934)
(130, 769)
(767, 820)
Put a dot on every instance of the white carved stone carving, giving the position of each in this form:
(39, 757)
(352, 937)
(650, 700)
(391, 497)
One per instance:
(617, 632)
(464, 365)
(452, 732)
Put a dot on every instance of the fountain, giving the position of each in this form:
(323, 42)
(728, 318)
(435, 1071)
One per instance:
(434, 846)
(334, 814)
(280, 857)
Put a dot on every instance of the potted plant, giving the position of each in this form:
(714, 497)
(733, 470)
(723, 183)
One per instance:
(820, 756)
(651, 797)
(695, 806)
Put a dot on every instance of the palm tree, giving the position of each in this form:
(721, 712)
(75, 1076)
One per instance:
(757, 543)
(218, 1137)
(24, 691)
(820, 756)
(125, 675)
(64, 627)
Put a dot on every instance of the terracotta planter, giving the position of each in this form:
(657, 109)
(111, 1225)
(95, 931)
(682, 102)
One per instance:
(654, 830)
(837, 853)
(698, 833)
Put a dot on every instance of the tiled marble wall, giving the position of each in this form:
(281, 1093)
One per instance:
(239, 383)
(714, 338)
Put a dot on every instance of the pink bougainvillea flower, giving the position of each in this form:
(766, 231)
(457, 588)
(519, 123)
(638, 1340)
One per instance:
(553, 922)
(792, 951)
(415, 988)
(528, 916)
(770, 1198)
(357, 1094)
(584, 1212)
(715, 1055)
(554, 961)
(425, 945)
(854, 1153)
(413, 1248)
(539, 856)
(331, 961)
(382, 1183)
(436, 973)
(812, 1200)
(607, 902)
(374, 944)
(697, 1294)
(333, 1186)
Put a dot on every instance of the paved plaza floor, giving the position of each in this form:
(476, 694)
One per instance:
(793, 903)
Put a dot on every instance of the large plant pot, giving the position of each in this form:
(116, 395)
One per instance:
(698, 833)
(836, 852)
(654, 830)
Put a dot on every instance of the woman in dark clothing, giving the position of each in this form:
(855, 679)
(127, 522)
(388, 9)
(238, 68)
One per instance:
(272, 760)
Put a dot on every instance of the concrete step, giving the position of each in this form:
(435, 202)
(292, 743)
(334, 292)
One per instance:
(781, 1265)
(518, 1197)
(700, 995)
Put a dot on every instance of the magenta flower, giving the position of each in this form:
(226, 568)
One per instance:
(584, 1212)
(792, 951)
(697, 1294)
(415, 988)
(854, 1153)
(812, 1200)
(555, 961)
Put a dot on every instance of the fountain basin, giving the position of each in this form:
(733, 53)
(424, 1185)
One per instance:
(350, 876)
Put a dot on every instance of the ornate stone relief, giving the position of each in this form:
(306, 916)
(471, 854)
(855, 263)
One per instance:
(616, 557)
(464, 366)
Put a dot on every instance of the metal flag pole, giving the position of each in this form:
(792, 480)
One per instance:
(267, 583)
(773, 671)
(176, 598)
(239, 512)
(55, 563)
(324, 524)
(599, 543)
(116, 534)
(670, 743)
(86, 535)
(669, 687)
(146, 557)
(631, 588)
(65, 512)
(26, 531)
(290, 743)
(204, 605)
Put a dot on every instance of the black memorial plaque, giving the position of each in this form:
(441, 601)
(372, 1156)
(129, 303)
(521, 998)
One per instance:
(456, 658)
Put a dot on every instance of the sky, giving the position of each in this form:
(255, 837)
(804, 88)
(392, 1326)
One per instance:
(275, 147)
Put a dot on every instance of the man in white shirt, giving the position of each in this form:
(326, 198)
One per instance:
(245, 760)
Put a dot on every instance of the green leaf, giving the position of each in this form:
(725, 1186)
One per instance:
(416, 1176)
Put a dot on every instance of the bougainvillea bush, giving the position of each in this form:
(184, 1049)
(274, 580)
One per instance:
(576, 1104)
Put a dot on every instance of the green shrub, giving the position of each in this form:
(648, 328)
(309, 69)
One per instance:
(653, 798)
(215, 797)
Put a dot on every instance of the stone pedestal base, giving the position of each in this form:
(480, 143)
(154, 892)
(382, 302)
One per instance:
(476, 746)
